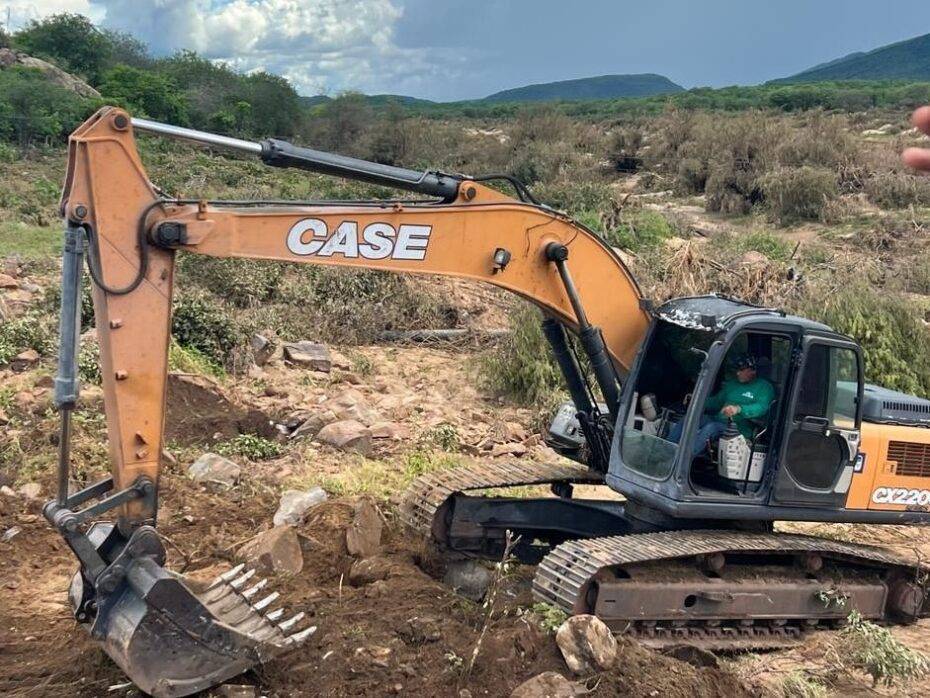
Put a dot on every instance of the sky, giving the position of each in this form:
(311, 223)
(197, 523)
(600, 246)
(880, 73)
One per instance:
(449, 50)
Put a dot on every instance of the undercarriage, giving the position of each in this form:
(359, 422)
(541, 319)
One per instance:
(720, 588)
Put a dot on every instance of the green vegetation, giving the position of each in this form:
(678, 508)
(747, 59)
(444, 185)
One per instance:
(874, 650)
(29, 241)
(550, 617)
(250, 446)
(797, 685)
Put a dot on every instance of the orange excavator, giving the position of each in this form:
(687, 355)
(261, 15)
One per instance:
(688, 552)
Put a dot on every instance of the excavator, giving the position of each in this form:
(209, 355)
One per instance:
(686, 553)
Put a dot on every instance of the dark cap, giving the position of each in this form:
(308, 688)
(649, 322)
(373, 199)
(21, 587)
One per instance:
(745, 361)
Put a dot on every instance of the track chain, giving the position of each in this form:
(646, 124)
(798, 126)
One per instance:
(562, 577)
(424, 497)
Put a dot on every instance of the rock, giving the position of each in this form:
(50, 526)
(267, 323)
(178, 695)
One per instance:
(387, 430)
(294, 505)
(277, 550)
(7, 491)
(468, 577)
(24, 361)
(363, 536)
(45, 381)
(549, 684)
(347, 435)
(262, 349)
(313, 424)
(512, 449)
(340, 361)
(54, 74)
(7, 281)
(515, 431)
(368, 570)
(215, 469)
(234, 690)
(31, 490)
(360, 412)
(309, 354)
(587, 644)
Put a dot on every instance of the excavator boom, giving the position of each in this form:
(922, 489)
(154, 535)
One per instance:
(130, 233)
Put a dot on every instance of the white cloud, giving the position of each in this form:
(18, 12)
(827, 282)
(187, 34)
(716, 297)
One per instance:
(21, 12)
(319, 45)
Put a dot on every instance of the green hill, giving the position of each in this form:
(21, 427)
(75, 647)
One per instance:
(602, 87)
(905, 60)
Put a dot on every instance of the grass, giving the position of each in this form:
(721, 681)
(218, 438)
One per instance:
(381, 479)
(31, 242)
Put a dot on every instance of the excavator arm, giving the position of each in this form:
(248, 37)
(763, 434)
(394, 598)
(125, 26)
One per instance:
(130, 234)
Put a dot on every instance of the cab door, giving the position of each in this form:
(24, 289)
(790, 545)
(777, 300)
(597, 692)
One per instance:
(821, 442)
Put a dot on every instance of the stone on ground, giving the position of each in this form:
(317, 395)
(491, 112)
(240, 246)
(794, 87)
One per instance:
(31, 490)
(309, 354)
(212, 468)
(262, 349)
(549, 684)
(368, 570)
(277, 550)
(7, 281)
(468, 577)
(294, 505)
(311, 426)
(347, 435)
(363, 536)
(24, 361)
(587, 644)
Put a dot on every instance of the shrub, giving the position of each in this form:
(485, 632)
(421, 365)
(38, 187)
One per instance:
(250, 446)
(145, 93)
(798, 194)
(769, 244)
(244, 283)
(898, 189)
(32, 109)
(29, 331)
(875, 651)
(640, 230)
(797, 685)
(892, 335)
(202, 324)
(521, 367)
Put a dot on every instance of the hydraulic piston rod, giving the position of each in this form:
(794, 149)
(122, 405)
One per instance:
(278, 153)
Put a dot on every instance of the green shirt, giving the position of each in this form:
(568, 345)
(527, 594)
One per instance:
(753, 398)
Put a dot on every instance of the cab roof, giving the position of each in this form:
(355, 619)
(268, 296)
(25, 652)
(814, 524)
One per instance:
(715, 312)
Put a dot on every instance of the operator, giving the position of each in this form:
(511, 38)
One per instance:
(747, 397)
(919, 158)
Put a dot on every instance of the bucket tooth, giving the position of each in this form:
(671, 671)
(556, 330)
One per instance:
(299, 638)
(240, 582)
(253, 590)
(291, 622)
(267, 601)
(227, 576)
(274, 615)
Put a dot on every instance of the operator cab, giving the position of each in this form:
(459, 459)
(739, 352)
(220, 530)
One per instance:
(730, 403)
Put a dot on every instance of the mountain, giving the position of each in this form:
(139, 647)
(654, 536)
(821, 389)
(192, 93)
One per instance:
(905, 60)
(602, 87)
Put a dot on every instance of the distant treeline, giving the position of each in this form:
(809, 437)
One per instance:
(189, 90)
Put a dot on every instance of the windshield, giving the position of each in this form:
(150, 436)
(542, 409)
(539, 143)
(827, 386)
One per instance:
(667, 376)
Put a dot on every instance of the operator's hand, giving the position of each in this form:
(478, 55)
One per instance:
(919, 158)
(730, 410)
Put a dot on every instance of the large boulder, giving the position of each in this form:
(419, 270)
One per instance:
(587, 644)
(309, 354)
(294, 505)
(549, 684)
(276, 550)
(347, 435)
(211, 468)
(54, 74)
(469, 578)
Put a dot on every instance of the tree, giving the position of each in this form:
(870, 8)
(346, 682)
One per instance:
(275, 105)
(127, 49)
(33, 109)
(347, 117)
(69, 40)
(145, 93)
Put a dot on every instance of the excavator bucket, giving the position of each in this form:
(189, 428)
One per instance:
(168, 636)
